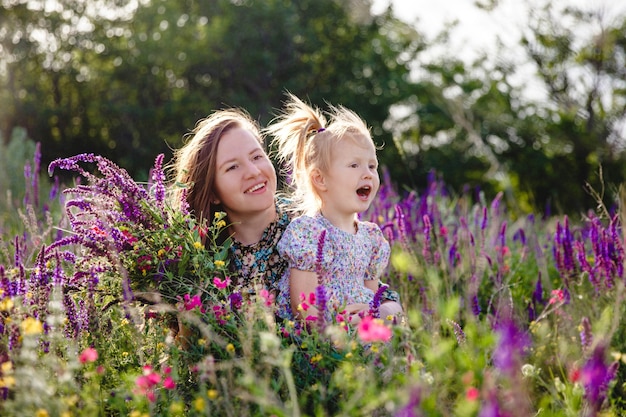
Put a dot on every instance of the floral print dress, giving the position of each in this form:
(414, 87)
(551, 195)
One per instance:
(346, 259)
(260, 262)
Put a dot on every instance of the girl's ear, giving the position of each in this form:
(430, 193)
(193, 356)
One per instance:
(318, 180)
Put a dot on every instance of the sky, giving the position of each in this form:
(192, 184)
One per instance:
(478, 30)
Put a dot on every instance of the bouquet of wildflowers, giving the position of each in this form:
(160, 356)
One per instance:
(146, 247)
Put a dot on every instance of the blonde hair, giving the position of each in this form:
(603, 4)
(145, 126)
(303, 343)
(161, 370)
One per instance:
(194, 164)
(304, 142)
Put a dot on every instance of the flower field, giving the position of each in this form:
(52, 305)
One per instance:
(506, 315)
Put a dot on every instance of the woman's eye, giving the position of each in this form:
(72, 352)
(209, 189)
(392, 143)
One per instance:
(230, 168)
(257, 157)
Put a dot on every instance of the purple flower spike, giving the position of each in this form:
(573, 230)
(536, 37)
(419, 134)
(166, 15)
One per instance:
(375, 303)
(595, 377)
(321, 299)
(411, 407)
(586, 337)
(538, 293)
(511, 346)
(158, 178)
(319, 258)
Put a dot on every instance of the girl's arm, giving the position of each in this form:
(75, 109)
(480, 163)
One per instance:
(302, 282)
(372, 284)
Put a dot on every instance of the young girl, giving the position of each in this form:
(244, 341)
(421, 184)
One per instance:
(333, 169)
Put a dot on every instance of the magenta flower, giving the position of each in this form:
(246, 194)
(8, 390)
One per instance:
(192, 302)
(168, 383)
(221, 283)
(373, 330)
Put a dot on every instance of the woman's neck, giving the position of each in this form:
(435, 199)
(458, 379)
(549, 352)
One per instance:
(249, 229)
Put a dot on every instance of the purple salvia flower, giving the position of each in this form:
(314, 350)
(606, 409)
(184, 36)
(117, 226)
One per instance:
(618, 246)
(73, 325)
(184, 204)
(319, 257)
(82, 316)
(54, 190)
(427, 228)
(454, 257)
(458, 332)
(20, 283)
(521, 236)
(158, 178)
(483, 224)
(400, 221)
(595, 376)
(410, 409)
(511, 346)
(375, 303)
(387, 230)
(27, 176)
(568, 253)
(530, 310)
(475, 304)
(495, 204)
(490, 407)
(538, 293)
(586, 337)
(321, 300)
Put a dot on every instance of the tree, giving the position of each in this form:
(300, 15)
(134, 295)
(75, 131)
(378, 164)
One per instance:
(475, 126)
(131, 84)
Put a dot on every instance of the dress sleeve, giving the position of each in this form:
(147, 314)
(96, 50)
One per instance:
(380, 252)
(298, 244)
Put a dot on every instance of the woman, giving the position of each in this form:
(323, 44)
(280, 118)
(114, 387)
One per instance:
(225, 168)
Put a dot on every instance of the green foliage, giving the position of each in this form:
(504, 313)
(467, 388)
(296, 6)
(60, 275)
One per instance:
(469, 342)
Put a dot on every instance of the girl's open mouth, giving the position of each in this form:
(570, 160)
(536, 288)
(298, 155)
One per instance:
(364, 192)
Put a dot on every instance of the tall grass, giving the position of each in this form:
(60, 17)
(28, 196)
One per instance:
(505, 315)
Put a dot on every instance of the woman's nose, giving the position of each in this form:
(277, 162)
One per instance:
(252, 170)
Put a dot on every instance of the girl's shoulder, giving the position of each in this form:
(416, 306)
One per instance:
(369, 227)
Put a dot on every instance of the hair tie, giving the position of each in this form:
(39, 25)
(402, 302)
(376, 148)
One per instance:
(321, 129)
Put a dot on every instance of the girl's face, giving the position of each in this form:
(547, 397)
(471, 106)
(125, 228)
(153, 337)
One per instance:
(245, 179)
(352, 179)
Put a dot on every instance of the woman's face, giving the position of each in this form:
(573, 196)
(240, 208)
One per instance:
(245, 179)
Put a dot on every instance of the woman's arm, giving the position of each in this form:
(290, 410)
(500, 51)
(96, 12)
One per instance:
(302, 282)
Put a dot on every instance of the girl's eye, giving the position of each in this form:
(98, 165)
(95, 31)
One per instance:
(373, 167)
(257, 157)
(354, 165)
(230, 168)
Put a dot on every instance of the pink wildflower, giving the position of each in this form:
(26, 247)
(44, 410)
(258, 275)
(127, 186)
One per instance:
(373, 330)
(472, 393)
(557, 296)
(192, 302)
(221, 283)
(268, 297)
(88, 355)
(147, 382)
(220, 314)
(168, 383)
